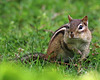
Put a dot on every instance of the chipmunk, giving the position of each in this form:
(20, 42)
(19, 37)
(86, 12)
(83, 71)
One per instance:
(70, 39)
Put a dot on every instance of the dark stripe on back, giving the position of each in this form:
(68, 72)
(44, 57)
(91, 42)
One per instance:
(62, 31)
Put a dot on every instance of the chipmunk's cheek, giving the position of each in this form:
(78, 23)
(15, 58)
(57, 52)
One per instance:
(76, 36)
(81, 36)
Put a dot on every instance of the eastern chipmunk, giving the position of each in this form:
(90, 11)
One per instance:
(72, 38)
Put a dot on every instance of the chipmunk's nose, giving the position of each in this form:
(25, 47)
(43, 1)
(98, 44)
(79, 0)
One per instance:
(71, 34)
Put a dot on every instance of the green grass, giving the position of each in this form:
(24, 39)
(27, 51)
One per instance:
(11, 71)
(23, 24)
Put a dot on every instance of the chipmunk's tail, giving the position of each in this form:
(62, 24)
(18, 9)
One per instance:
(40, 56)
(30, 57)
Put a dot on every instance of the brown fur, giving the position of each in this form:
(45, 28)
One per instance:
(79, 41)
(68, 40)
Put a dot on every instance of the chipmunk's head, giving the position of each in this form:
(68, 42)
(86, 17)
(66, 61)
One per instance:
(77, 27)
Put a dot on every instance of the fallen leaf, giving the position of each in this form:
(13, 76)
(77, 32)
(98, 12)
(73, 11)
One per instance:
(96, 45)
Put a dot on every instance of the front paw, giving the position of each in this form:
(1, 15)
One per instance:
(77, 51)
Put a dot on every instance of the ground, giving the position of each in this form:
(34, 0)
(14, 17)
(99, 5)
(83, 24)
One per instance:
(24, 25)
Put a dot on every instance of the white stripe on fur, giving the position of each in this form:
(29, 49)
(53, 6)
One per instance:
(57, 32)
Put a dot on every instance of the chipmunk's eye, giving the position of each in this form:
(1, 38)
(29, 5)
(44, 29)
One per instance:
(80, 27)
(68, 27)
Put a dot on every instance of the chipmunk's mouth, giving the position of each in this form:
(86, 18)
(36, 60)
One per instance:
(73, 40)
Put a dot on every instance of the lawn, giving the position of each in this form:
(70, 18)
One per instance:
(24, 25)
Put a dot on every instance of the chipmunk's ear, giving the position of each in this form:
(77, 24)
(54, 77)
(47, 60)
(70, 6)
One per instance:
(70, 18)
(85, 20)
